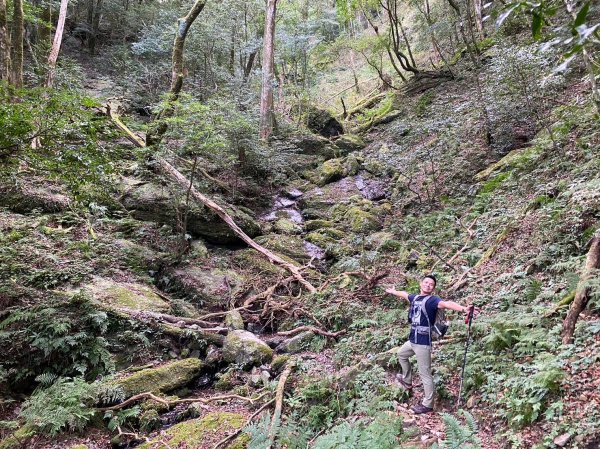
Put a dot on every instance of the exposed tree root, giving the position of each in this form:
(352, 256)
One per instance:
(169, 404)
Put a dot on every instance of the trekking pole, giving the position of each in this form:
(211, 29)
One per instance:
(468, 321)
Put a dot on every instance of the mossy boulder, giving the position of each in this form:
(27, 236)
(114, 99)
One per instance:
(198, 249)
(296, 344)
(128, 295)
(208, 288)
(193, 433)
(153, 202)
(288, 245)
(26, 195)
(314, 145)
(348, 143)
(250, 259)
(18, 438)
(140, 258)
(330, 171)
(162, 379)
(361, 221)
(279, 362)
(234, 320)
(322, 122)
(246, 349)
(313, 225)
(287, 226)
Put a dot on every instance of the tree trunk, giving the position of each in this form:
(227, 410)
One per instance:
(478, 16)
(95, 25)
(17, 43)
(177, 72)
(53, 57)
(582, 295)
(266, 94)
(5, 66)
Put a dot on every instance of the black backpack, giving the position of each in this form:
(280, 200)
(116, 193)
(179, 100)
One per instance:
(437, 329)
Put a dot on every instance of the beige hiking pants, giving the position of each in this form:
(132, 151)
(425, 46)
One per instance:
(423, 354)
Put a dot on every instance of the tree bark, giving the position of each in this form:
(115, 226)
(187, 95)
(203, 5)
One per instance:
(266, 94)
(177, 71)
(582, 295)
(95, 25)
(53, 57)
(5, 66)
(477, 6)
(17, 44)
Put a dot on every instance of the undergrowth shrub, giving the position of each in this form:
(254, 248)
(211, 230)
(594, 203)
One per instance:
(58, 338)
(68, 404)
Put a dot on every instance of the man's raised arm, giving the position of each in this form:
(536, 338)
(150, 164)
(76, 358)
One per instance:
(399, 294)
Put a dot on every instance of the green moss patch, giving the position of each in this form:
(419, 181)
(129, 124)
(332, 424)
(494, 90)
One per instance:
(165, 378)
(127, 295)
(193, 433)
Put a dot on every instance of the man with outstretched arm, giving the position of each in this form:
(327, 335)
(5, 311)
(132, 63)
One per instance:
(419, 342)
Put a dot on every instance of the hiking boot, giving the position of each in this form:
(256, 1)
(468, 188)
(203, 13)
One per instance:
(419, 409)
(404, 384)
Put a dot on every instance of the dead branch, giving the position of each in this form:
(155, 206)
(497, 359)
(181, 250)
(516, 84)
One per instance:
(178, 321)
(373, 280)
(279, 400)
(583, 293)
(248, 421)
(314, 330)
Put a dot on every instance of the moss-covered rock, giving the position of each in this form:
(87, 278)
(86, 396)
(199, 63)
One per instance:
(152, 202)
(19, 438)
(348, 143)
(279, 362)
(361, 221)
(25, 196)
(140, 258)
(234, 320)
(149, 420)
(515, 158)
(297, 343)
(226, 381)
(313, 225)
(192, 433)
(250, 259)
(79, 446)
(164, 378)
(209, 288)
(128, 295)
(330, 171)
(322, 122)
(289, 245)
(198, 250)
(246, 349)
(287, 226)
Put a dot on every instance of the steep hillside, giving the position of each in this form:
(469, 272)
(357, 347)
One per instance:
(133, 316)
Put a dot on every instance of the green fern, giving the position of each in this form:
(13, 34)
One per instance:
(459, 435)
(68, 404)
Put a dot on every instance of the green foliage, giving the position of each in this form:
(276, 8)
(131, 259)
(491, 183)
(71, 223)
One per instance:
(459, 435)
(68, 129)
(528, 391)
(381, 431)
(61, 339)
(69, 404)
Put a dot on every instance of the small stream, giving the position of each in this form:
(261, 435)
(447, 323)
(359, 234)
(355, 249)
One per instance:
(286, 204)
